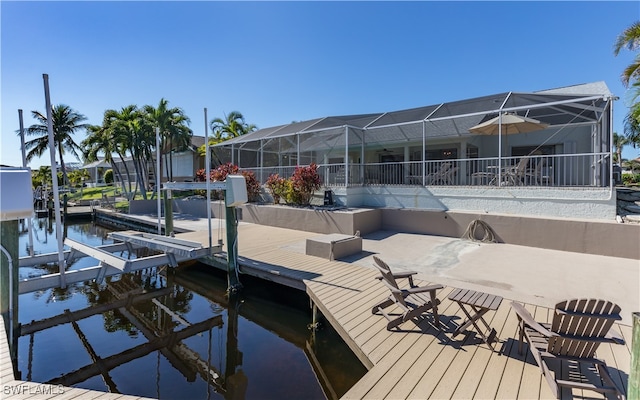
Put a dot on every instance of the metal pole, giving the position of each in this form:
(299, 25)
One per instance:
(168, 212)
(158, 179)
(232, 249)
(634, 375)
(500, 148)
(346, 156)
(24, 165)
(54, 179)
(9, 283)
(207, 167)
(424, 153)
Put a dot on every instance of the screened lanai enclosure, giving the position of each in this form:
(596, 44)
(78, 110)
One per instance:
(552, 139)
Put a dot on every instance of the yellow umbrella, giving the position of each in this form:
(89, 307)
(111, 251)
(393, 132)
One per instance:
(508, 124)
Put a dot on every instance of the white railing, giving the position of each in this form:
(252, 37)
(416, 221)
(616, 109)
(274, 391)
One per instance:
(564, 170)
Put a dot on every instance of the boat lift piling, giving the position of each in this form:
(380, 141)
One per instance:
(235, 188)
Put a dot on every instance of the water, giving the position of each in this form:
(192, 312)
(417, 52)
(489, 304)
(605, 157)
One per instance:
(187, 339)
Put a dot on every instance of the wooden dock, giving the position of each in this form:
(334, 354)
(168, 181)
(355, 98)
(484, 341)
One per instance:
(417, 361)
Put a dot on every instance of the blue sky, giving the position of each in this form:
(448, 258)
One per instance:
(282, 61)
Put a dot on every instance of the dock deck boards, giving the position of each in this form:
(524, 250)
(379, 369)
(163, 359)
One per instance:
(417, 361)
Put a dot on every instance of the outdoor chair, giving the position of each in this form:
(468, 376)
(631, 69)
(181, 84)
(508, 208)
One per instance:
(540, 174)
(444, 175)
(518, 175)
(578, 327)
(412, 301)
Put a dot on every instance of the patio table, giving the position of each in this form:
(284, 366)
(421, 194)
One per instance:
(480, 303)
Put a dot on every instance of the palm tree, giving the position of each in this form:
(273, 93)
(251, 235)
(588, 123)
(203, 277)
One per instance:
(174, 130)
(100, 141)
(619, 141)
(233, 125)
(41, 176)
(632, 125)
(629, 39)
(65, 122)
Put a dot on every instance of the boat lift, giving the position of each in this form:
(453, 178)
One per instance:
(173, 250)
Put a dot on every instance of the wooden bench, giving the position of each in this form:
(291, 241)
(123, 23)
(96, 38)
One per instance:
(333, 246)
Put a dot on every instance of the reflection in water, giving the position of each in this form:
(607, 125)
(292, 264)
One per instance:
(179, 335)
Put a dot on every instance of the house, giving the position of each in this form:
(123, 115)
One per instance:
(187, 163)
(96, 171)
(183, 164)
(434, 158)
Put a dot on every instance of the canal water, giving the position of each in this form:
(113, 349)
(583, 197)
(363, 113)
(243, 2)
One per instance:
(175, 334)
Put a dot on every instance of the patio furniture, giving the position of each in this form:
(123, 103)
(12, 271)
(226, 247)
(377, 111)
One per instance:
(483, 178)
(517, 175)
(578, 328)
(480, 303)
(542, 174)
(444, 175)
(412, 301)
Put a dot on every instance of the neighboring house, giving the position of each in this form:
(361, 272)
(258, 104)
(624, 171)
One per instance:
(432, 158)
(96, 171)
(185, 164)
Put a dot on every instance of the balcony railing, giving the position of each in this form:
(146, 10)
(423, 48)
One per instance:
(565, 170)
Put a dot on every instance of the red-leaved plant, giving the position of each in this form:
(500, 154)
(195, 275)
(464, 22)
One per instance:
(304, 182)
(220, 174)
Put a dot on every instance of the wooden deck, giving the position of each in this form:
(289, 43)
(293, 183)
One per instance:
(417, 361)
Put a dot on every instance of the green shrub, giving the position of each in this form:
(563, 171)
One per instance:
(108, 176)
(630, 179)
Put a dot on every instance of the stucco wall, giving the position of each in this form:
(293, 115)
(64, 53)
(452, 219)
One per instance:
(582, 236)
(313, 220)
(579, 203)
(195, 207)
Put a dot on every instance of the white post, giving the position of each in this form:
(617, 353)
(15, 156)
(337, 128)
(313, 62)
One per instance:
(54, 179)
(500, 148)
(207, 163)
(362, 154)
(406, 166)
(158, 179)
(424, 153)
(346, 156)
(24, 165)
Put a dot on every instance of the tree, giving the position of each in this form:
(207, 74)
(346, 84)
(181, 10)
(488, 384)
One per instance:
(100, 140)
(76, 177)
(632, 125)
(233, 125)
(41, 176)
(630, 39)
(124, 133)
(65, 122)
(619, 141)
(175, 133)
